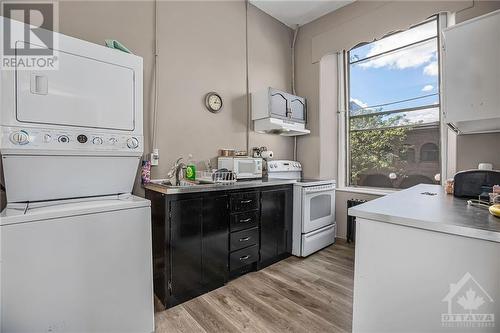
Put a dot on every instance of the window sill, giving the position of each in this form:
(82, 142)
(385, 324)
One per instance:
(366, 190)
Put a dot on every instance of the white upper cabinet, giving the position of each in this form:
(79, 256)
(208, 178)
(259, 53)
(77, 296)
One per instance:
(275, 103)
(297, 108)
(471, 73)
(278, 103)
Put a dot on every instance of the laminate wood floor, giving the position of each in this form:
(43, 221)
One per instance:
(294, 295)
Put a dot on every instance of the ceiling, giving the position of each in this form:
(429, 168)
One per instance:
(293, 12)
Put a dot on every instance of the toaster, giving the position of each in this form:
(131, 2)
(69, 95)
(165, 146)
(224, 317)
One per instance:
(470, 183)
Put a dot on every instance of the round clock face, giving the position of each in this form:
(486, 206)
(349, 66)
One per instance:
(213, 102)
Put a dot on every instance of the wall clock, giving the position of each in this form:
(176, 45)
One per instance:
(213, 102)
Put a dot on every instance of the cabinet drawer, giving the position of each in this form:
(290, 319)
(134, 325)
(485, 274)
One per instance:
(242, 202)
(244, 220)
(243, 257)
(244, 238)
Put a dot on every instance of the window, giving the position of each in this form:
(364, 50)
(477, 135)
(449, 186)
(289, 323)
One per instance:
(407, 153)
(429, 152)
(393, 93)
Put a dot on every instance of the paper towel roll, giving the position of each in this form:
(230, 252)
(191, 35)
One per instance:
(267, 154)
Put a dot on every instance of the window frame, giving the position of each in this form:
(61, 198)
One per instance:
(446, 166)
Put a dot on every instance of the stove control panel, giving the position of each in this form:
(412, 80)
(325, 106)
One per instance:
(283, 165)
(63, 139)
(318, 188)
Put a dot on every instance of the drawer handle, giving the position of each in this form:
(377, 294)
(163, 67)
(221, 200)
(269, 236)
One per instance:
(244, 239)
(245, 257)
(246, 220)
(246, 201)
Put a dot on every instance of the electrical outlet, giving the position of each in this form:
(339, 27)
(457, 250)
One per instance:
(154, 157)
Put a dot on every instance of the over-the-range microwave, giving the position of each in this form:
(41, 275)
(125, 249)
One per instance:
(243, 167)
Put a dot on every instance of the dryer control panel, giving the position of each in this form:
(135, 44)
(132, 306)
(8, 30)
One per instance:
(79, 140)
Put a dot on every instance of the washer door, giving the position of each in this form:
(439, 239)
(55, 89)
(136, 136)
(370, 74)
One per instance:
(83, 92)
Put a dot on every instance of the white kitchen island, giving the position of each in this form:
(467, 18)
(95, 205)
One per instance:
(426, 262)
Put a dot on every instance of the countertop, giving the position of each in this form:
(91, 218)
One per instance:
(241, 184)
(440, 212)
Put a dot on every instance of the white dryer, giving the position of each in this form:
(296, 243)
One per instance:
(73, 131)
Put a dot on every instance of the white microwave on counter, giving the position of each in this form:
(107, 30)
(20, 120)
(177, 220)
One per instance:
(243, 167)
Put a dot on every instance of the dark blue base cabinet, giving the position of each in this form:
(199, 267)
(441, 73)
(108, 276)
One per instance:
(202, 240)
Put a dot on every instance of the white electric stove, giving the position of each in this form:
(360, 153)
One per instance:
(314, 224)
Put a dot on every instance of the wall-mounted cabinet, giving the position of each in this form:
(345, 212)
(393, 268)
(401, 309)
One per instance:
(276, 103)
(471, 72)
(276, 111)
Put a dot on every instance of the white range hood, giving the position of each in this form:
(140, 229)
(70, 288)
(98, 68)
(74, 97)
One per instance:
(279, 126)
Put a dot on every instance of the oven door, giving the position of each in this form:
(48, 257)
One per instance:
(318, 208)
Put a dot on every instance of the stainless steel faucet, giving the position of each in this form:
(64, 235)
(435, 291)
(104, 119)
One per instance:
(176, 170)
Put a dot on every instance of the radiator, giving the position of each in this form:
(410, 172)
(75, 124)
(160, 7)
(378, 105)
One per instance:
(351, 220)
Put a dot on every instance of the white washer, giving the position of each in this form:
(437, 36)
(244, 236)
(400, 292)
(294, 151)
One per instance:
(77, 266)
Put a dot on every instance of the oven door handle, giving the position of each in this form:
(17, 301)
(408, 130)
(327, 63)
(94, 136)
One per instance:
(319, 191)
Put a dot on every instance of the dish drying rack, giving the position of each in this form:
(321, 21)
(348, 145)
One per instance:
(216, 177)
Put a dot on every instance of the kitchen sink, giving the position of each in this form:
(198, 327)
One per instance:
(185, 184)
(189, 186)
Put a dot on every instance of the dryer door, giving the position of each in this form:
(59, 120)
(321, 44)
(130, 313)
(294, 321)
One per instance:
(82, 92)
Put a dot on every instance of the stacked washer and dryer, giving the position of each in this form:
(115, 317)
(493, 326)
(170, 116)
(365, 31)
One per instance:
(75, 244)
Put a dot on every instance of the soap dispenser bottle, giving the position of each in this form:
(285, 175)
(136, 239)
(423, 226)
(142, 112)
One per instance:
(191, 169)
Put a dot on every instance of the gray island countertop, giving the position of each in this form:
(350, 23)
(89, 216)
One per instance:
(241, 184)
(440, 212)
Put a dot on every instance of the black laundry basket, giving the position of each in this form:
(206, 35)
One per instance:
(351, 220)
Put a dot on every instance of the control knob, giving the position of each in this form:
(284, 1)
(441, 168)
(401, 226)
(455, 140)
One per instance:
(82, 138)
(97, 141)
(63, 139)
(20, 138)
(132, 143)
